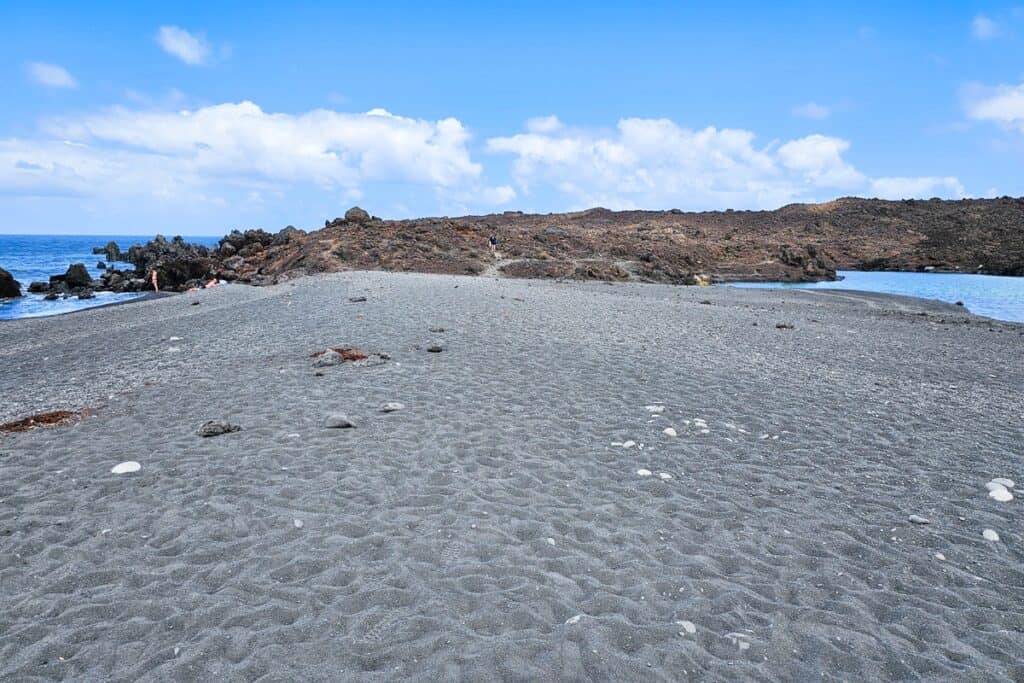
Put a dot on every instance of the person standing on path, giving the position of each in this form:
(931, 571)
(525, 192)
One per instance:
(494, 245)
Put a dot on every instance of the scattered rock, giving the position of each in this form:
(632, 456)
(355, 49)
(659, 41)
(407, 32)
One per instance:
(9, 287)
(51, 418)
(391, 407)
(918, 519)
(298, 523)
(338, 421)
(217, 427)
(338, 355)
(356, 215)
(990, 535)
(77, 276)
(356, 299)
(327, 358)
(655, 408)
(785, 326)
(670, 431)
(644, 473)
(437, 330)
(1000, 494)
(688, 627)
(664, 476)
(574, 620)
(434, 349)
(1003, 481)
(126, 467)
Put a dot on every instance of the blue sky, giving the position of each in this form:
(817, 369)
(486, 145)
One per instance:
(196, 118)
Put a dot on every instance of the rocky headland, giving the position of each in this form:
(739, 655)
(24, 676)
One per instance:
(798, 242)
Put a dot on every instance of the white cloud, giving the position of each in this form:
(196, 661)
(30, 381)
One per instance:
(51, 75)
(163, 154)
(812, 110)
(917, 188)
(984, 28)
(657, 163)
(543, 124)
(1002, 104)
(189, 48)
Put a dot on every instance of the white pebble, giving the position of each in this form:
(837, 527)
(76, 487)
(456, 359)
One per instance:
(688, 626)
(299, 524)
(665, 475)
(126, 467)
(1000, 494)
(574, 620)
(655, 409)
(990, 535)
(628, 444)
(644, 473)
(1004, 482)
(940, 556)
(391, 407)
(669, 431)
(174, 339)
(551, 541)
(173, 349)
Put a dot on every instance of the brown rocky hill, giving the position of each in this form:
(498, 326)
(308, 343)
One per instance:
(796, 242)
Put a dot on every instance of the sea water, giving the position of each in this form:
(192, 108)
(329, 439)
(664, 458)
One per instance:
(36, 257)
(993, 296)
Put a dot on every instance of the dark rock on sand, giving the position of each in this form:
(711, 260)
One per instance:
(38, 287)
(217, 427)
(338, 421)
(9, 287)
(435, 349)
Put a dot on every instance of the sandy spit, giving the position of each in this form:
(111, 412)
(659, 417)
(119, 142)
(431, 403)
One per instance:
(494, 527)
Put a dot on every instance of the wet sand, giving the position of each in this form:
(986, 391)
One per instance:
(525, 515)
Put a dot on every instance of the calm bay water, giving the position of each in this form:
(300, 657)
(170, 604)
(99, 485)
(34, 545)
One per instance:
(37, 257)
(994, 296)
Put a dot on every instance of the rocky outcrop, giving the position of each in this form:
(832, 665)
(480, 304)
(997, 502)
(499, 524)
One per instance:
(178, 264)
(9, 287)
(111, 251)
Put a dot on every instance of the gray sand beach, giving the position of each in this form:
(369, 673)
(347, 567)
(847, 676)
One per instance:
(587, 482)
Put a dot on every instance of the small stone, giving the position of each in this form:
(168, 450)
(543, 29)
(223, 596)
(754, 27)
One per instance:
(644, 473)
(664, 475)
(391, 406)
(940, 556)
(356, 299)
(990, 535)
(176, 651)
(437, 330)
(688, 627)
(338, 421)
(217, 427)
(669, 431)
(126, 467)
(655, 408)
(434, 349)
(628, 444)
(1003, 481)
(918, 519)
(299, 523)
(574, 620)
(328, 358)
(550, 541)
(1000, 494)
(174, 339)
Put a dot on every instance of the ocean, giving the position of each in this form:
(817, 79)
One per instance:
(993, 296)
(37, 257)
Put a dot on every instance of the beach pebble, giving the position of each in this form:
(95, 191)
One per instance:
(655, 409)
(391, 406)
(669, 431)
(126, 467)
(298, 523)
(665, 475)
(174, 339)
(688, 627)
(990, 535)
(628, 444)
(644, 473)
(550, 541)
(918, 519)
(217, 427)
(338, 421)
(328, 358)
(940, 556)
(1003, 481)
(434, 349)
(1000, 494)
(574, 620)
